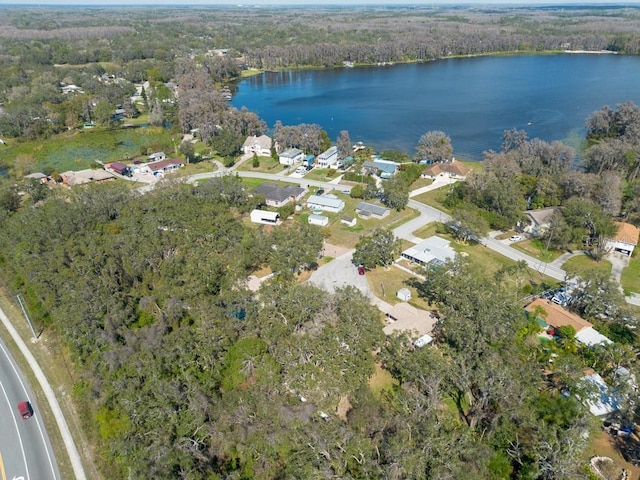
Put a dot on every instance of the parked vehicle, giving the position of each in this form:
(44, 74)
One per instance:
(515, 238)
(361, 270)
(25, 409)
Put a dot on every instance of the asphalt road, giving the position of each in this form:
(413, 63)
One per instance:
(25, 450)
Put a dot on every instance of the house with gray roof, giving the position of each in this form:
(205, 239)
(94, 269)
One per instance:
(316, 202)
(539, 220)
(369, 210)
(432, 251)
(276, 196)
(386, 168)
(291, 156)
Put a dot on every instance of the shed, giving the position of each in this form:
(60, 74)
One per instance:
(265, 217)
(404, 294)
(349, 221)
(119, 168)
(320, 220)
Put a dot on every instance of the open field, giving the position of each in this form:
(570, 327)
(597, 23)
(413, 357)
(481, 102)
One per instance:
(80, 149)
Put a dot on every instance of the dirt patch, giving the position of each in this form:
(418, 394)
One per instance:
(605, 445)
(334, 251)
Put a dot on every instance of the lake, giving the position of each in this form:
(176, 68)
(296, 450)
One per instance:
(473, 100)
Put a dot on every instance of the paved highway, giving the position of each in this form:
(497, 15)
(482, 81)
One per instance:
(25, 450)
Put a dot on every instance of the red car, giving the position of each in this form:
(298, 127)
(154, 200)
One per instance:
(25, 409)
(361, 270)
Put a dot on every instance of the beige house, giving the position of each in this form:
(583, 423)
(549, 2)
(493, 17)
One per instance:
(539, 220)
(260, 145)
(404, 317)
(452, 169)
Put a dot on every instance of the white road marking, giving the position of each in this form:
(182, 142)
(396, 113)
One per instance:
(44, 442)
(24, 457)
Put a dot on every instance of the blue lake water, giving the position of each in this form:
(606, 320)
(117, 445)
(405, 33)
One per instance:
(473, 100)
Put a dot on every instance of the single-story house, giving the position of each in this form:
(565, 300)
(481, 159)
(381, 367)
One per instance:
(625, 239)
(387, 168)
(404, 317)
(349, 221)
(320, 220)
(431, 251)
(265, 217)
(157, 156)
(368, 210)
(165, 166)
(67, 89)
(118, 167)
(291, 156)
(599, 397)
(277, 197)
(41, 177)
(83, 177)
(260, 145)
(556, 316)
(327, 158)
(315, 202)
(404, 294)
(453, 169)
(539, 220)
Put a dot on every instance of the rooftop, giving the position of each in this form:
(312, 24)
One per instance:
(556, 316)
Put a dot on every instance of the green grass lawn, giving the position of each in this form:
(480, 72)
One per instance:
(631, 276)
(340, 234)
(435, 198)
(583, 264)
(267, 165)
(385, 283)
(427, 231)
(420, 182)
(80, 149)
(322, 174)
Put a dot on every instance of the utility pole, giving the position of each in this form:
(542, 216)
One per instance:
(24, 311)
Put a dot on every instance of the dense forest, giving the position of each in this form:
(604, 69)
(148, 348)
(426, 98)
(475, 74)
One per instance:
(183, 372)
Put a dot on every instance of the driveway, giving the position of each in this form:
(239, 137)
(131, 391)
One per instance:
(341, 272)
(619, 262)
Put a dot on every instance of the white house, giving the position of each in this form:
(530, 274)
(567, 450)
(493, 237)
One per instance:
(327, 158)
(157, 157)
(260, 145)
(291, 156)
(265, 217)
(315, 202)
(349, 221)
(319, 220)
(625, 239)
(434, 250)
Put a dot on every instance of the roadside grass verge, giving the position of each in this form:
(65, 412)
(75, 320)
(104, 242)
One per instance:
(56, 364)
(537, 249)
(435, 198)
(583, 264)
